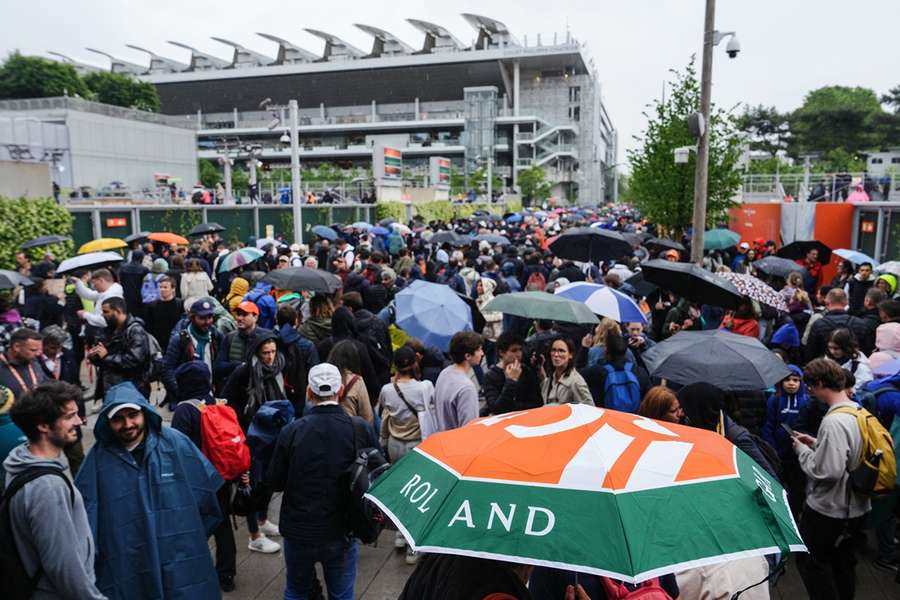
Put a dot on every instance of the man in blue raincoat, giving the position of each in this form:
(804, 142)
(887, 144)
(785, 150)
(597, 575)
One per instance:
(151, 502)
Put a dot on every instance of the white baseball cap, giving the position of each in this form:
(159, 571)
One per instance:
(744, 246)
(123, 406)
(325, 380)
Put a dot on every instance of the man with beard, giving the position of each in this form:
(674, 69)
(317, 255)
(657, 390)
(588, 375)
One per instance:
(123, 352)
(198, 341)
(20, 370)
(151, 502)
(49, 523)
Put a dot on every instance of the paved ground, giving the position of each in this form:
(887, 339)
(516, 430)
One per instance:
(382, 570)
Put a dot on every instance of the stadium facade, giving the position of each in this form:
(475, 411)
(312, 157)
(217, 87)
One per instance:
(495, 100)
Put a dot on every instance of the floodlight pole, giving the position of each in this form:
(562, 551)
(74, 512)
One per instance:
(295, 172)
(701, 184)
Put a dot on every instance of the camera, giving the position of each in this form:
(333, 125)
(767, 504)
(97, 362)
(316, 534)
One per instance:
(733, 48)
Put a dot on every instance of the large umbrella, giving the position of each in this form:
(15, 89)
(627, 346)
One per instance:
(303, 279)
(589, 490)
(172, 239)
(541, 305)
(361, 225)
(719, 239)
(664, 243)
(101, 245)
(136, 237)
(755, 289)
(603, 301)
(799, 249)
(432, 312)
(589, 244)
(492, 238)
(692, 282)
(205, 229)
(855, 257)
(10, 279)
(641, 286)
(326, 233)
(778, 267)
(449, 237)
(44, 240)
(88, 261)
(892, 267)
(724, 359)
(239, 258)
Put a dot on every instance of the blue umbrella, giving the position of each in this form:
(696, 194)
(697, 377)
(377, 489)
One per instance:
(603, 301)
(361, 225)
(432, 312)
(514, 218)
(856, 257)
(325, 232)
(379, 231)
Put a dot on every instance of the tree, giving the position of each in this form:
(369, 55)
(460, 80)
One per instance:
(478, 180)
(457, 182)
(33, 77)
(209, 173)
(892, 99)
(837, 117)
(534, 185)
(664, 190)
(123, 90)
(240, 179)
(768, 129)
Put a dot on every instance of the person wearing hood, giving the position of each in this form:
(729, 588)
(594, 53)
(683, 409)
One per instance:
(236, 292)
(300, 353)
(857, 287)
(150, 496)
(887, 283)
(123, 352)
(344, 329)
(131, 276)
(261, 296)
(47, 515)
(783, 407)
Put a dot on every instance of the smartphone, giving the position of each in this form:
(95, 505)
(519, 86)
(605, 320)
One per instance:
(788, 429)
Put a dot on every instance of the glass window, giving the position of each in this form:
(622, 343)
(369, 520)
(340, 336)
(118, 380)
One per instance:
(868, 228)
(876, 161)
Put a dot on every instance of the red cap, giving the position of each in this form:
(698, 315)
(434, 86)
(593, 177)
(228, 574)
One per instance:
(248, 307)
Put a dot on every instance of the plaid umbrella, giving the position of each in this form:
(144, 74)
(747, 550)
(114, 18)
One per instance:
(755, 289)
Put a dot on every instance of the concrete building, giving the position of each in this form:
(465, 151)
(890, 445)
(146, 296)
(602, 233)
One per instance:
(91, 144)
(496, 102)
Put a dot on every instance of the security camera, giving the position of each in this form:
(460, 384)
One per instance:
(733, 47)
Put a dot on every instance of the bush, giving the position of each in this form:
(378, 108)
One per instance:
(24, 219)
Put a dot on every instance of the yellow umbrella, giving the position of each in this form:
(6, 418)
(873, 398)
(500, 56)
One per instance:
(102, 244)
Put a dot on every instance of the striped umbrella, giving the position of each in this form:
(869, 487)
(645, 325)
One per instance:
(603, 301)
(239, 258)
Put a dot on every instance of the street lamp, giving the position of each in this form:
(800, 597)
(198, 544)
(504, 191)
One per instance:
(294, 140)
(711, 38)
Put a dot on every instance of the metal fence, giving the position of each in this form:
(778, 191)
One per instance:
(818, 187)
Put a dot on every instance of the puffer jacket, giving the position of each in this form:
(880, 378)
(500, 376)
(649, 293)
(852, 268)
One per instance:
(128, 357)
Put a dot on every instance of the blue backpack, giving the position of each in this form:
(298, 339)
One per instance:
(267, 423)
(150, 287)
(265, 303)
(621, 391)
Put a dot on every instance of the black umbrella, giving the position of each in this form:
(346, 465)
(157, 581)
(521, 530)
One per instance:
(796, 250)
(778, 267)
(44, 240)
(633, 239)
(449, 237)
(641, 286)
(205, 228)
(136, 237)
(492, 239)
(664, 243)
(10, 279)
(303, 279)
(724, 359)
(692, 282)
(591, 244)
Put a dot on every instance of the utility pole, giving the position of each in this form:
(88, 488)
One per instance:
(700, 176)
(226, 164)
(490, 176)
(295, 172)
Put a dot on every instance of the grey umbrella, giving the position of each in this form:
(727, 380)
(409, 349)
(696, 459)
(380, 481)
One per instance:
(778, 267)
(44, 240)
(10, 279)
(724, 359)
(303, 279)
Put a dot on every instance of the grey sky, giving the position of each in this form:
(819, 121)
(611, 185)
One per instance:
(789, 46)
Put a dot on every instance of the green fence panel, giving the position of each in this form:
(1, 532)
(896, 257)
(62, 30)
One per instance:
(112, 224)
(344, 215)
(82, 228)
(178, 220)
(281, 220)
(313, 216)
(238, 222)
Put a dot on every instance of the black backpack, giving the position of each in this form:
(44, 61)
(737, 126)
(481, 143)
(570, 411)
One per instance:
(17, 585)
(364, 520)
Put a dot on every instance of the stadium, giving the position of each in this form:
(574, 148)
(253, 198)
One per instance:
(496, 103)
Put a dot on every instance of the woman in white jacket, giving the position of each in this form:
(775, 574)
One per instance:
(493, 327)
(195, 283)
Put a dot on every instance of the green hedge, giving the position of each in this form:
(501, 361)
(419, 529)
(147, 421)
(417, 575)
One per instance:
(23, 219)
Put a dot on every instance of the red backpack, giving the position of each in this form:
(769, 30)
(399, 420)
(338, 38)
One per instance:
(223, 440)
(536, 282)
(646, 590)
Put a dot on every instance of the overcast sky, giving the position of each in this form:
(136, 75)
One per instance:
(789, 46)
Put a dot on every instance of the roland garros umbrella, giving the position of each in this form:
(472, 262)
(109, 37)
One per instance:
(724, 359)
(591, 244)
(88, 261)
(541, 305)
(303, 279)
(586, 489)
(10, 279)
(44, 240)
(692, 282)
(755, 289)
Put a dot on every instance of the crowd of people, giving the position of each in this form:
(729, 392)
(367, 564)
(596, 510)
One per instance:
(307, 379)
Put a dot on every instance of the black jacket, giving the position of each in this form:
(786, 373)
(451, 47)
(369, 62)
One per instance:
(856, 292)
(179, 350)
(128, 357)
(224, 366)
(866, 337)
(308, 464)
(131, 276)
(503, 395)
(831, 320)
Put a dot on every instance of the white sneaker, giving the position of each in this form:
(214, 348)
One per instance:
(264, 545)
(269, 529)
(399, 541)
(412, 557)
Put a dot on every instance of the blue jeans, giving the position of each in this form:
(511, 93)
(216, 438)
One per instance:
(338, 561)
